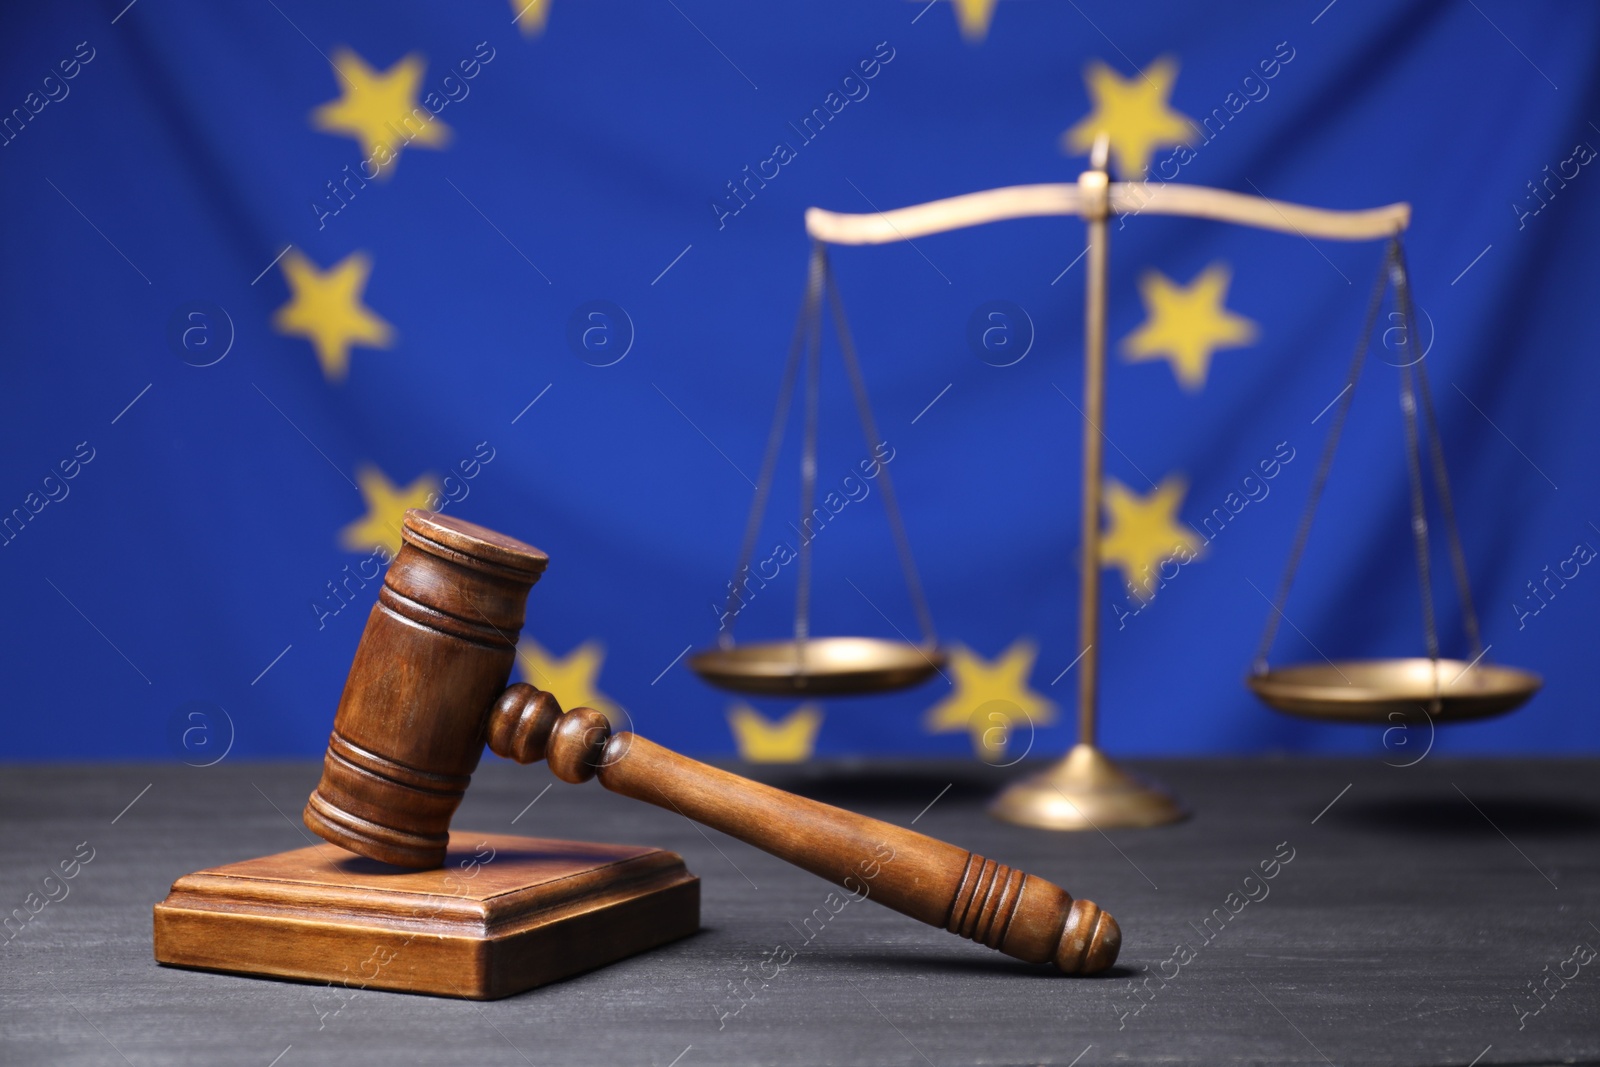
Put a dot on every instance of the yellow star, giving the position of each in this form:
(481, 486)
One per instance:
(531, 15)
(991, 700)
(386, 507)
(1144, 531)
(789, 740)
(380, 110)
(1134, 112)
(1187, 324)
(974, 16)
(570, 679)
(325, 308)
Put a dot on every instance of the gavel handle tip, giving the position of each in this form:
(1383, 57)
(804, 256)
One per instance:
(1090, 941)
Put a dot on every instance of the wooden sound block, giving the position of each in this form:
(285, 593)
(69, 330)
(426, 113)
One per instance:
(503, 915)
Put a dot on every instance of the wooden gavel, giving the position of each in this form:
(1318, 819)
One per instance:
(428, 687)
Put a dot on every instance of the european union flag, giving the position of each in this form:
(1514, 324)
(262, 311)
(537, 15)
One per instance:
(275, 273)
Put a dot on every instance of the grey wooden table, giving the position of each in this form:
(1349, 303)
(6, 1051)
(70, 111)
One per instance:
(1412, 915)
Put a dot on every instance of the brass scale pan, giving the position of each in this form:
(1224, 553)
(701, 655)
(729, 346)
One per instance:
(807, 665)
(1374, 690)
(820, 666)
(1380, 690)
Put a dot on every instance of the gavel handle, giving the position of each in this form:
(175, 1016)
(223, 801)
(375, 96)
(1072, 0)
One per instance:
(935, 882)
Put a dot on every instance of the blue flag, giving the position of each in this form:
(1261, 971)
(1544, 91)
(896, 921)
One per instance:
(277, 272)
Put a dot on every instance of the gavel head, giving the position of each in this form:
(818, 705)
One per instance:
(436, 654)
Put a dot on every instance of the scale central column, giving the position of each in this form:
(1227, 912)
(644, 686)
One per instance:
(1086, 790)
(1094, 185)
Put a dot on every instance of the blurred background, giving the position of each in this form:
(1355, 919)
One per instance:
(275, 271)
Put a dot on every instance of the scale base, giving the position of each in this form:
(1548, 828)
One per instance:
(504, 914)
(1085, 791)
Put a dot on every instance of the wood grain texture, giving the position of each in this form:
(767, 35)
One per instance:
(934, 882)
(503, 915)
(931, 881)
(436, 652)
(1398, 937)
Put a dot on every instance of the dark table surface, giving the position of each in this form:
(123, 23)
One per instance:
(1421, 908)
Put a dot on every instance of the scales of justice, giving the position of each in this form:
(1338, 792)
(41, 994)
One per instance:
(1086, 789)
